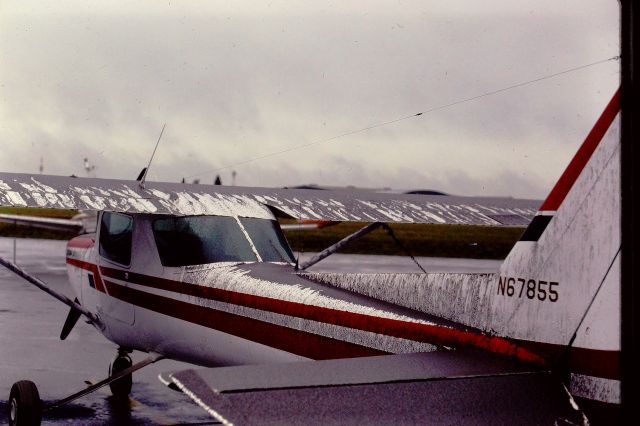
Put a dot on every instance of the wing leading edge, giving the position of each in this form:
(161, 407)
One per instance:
(24, 190)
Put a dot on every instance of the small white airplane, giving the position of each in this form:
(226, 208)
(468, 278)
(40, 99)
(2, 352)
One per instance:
(203, 274)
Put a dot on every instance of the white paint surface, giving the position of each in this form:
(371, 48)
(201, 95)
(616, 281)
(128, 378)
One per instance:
(576, 250)
(596, 388)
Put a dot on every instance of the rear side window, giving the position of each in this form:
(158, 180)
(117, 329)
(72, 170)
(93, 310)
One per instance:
(116, 231)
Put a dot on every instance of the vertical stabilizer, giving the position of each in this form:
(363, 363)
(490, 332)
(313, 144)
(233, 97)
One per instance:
(560, 285)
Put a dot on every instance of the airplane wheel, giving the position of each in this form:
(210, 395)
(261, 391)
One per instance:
(122, 387)
(25, 406)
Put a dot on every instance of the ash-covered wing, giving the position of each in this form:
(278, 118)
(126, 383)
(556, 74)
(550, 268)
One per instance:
(24, 190)
(429, 388)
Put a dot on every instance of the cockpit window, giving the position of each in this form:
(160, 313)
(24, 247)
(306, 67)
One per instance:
(195, 240)
(116, 230)
(268, 239)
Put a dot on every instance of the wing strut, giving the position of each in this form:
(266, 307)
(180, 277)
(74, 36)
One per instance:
(110, 379)
(399, 243)
(337, 246)
(43, 286)
(346, 240)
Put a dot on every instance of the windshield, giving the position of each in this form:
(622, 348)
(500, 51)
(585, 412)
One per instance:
(194, 240)
(268, 239)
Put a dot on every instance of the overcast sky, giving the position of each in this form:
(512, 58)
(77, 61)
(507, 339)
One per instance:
(238, 80)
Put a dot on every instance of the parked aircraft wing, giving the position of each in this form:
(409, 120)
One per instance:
(298, 226)
(305, 225)
(57, 224)
(451, 387)
(24, 190)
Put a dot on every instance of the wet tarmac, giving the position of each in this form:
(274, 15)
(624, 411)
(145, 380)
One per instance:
(30, 348)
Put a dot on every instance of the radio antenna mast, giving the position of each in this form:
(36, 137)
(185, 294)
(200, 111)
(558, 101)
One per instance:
(145, 171)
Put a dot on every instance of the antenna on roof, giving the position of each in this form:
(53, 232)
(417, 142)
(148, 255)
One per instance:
(145, 171)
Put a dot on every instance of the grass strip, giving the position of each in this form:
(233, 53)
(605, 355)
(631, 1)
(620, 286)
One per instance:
(23, 231)
(467, 241)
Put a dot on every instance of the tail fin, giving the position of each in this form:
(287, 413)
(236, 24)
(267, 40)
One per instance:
(560, 285)
(557, 292)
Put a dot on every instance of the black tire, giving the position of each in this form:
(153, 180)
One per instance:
(25, 406)
(121, 388)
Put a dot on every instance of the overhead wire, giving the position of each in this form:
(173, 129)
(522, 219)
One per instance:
(407, 117)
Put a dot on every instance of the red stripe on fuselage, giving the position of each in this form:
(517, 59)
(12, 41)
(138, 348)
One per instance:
(590, 362)
(417, 332)
(81, 242)
(599, 363)
(276, 336)
(575, 167)
(91, 268)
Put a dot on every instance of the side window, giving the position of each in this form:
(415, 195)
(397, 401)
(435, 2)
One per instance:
(116, 230)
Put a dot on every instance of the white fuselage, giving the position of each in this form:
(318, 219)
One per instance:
(230, 313)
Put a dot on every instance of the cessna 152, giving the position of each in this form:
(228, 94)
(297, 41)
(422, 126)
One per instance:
(203, 274)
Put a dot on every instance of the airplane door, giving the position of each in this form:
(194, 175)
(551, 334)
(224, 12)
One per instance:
(115, 238)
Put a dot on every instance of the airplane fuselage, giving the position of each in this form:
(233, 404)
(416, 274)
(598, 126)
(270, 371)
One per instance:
(232, 296)
(231, 312)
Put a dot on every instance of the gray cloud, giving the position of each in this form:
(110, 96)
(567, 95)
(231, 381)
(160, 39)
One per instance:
(238, 82)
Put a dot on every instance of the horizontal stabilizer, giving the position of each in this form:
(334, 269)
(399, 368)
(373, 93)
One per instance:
(23, 190)
(453, 387)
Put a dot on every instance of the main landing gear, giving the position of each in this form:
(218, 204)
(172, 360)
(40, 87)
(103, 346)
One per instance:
(121, 388)
(26, 407)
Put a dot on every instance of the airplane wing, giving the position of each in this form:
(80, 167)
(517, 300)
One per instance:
(24, 190)
(298, 226)
(306, 225)
(57, 224)
(451, 387)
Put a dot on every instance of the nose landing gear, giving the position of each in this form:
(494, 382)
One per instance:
(25, 406)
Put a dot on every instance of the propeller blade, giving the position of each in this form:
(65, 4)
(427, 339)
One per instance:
(70, 322)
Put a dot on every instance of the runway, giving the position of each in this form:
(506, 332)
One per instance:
(31, 349)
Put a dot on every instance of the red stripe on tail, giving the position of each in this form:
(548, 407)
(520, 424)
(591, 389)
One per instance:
(568, 178)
